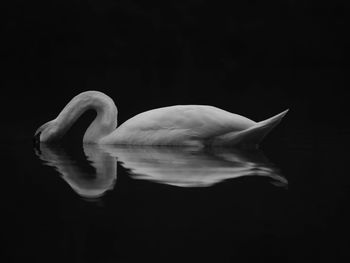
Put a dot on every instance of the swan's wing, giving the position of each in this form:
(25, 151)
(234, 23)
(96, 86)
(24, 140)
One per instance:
(182, 122)
(251, 136)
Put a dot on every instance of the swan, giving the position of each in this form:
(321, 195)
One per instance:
(181, 125)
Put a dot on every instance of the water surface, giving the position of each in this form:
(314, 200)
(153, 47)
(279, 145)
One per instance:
(75, 203)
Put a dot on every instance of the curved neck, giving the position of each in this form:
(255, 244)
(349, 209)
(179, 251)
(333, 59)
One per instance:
(104, 123)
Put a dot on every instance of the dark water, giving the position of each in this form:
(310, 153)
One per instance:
(285, 203)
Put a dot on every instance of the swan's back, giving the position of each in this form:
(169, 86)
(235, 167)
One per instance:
(178, 125)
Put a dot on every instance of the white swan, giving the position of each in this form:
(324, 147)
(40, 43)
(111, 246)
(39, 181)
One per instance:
(185, 125)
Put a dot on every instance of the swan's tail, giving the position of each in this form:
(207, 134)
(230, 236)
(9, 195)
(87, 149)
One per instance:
(251, 136)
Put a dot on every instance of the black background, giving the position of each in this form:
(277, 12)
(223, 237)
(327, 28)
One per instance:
(254, 58)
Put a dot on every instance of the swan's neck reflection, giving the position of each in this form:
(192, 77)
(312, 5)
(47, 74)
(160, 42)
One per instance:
(85, 184)
(183, 167)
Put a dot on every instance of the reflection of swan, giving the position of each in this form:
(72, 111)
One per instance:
(176, 125)
(86, 185)
(184, 167)
(193, 167)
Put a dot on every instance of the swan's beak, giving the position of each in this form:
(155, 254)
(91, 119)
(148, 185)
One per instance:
(36, 143)
(38, 132)
(36, 137)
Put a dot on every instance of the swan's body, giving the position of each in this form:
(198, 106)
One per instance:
(185, 125)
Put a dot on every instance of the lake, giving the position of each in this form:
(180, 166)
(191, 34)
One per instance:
(286, 202)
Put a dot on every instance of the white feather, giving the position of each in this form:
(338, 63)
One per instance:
(186, 125)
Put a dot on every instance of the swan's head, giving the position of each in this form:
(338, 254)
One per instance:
(47, 132)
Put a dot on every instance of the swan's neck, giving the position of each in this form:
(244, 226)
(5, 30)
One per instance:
(104, 123)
